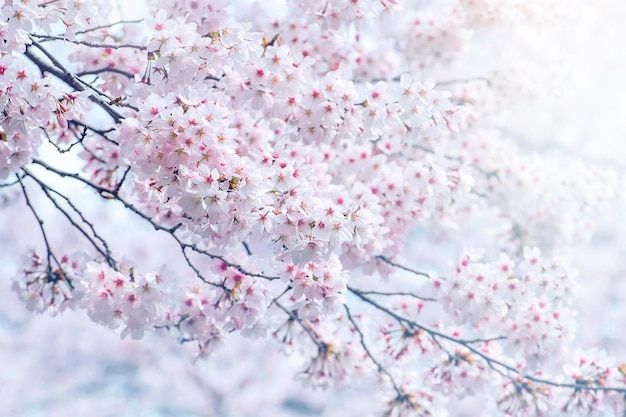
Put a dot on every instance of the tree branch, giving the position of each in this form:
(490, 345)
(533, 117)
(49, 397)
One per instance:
(67, 77)
(105, 70)
(114, 195)
(90, 44)
(498, 366)
(413, 271)
(104, 251)
(379, 366)
(110, 25)
(50, 256)
(397, 293)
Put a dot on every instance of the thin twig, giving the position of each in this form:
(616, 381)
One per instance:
(294, 317)
(117, 188)
(100, 132)
(227, 263)
(89, 44)
(9, 184)
(104, 251)
(99, 71)
(79, 140)
(247, 248)
(197, 271)
(397, 293)
(121, 22)
(50, 256)
(405, 268)
(380, 367)
(463, 81)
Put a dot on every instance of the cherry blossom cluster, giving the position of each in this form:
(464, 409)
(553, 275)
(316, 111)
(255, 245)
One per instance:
(28, 102)
(317, 288)
(237, 302)
(135, 301)
(203, 169)
(332, 32)
(31, 100)
(140, 302)
(104, 163)
(86, 362)
(20, 18)
(105, 66)
(435, 39)
(528, 303)
(208, 16)
(42, 287)
(110, 297)
(565, 204)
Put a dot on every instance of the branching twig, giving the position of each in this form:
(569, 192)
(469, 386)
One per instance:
(59, 71)
(294, 317)
(498, 366)
(396, 293)
(104, 250)
(413, 271)
(99, 132)
(90, 44)
(197, 271)
(121, 22)
(227, 263)
(79, 140)
(104, 70)
(9, 184)
(379, 366)
(114, 194)
(50, 256)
